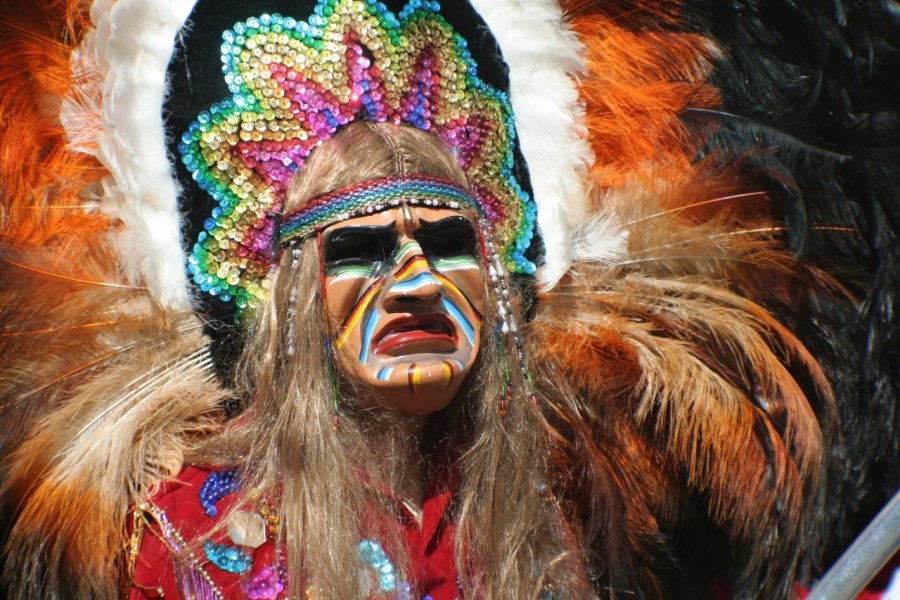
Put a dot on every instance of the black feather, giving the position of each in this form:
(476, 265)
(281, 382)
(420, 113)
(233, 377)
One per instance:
(811, 104)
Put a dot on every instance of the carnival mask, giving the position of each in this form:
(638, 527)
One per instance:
(404, 297)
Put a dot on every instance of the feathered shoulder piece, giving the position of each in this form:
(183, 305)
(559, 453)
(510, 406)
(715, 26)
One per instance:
(101, 388)
(719, 351)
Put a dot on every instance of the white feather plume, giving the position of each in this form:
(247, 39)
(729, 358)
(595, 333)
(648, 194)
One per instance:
(600, 237)
(123, 62)
(544, 61)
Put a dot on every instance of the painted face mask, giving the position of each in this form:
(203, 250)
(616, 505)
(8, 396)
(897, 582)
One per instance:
(404, 296)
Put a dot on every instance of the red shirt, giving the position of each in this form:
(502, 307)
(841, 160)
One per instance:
(177, 520)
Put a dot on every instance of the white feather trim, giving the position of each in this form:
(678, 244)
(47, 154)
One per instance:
(544, 60)
(600, 238)
(125, 58)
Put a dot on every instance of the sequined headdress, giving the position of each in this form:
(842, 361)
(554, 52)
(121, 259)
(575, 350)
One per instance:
(294, 83)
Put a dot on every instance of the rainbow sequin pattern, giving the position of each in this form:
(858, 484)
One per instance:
(372, 196)
(295, 83)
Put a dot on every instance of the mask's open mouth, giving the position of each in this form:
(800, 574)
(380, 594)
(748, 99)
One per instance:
(416, 334)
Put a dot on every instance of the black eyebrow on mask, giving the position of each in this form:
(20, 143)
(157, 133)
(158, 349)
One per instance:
(382, 232)
(377, 229)
(445, 222)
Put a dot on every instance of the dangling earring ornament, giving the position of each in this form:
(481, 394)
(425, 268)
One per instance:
(506, 391)
(292, 306)
(506, 327)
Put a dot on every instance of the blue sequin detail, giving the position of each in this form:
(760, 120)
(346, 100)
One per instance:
(371, 553)
(228, 558)
(217, 485)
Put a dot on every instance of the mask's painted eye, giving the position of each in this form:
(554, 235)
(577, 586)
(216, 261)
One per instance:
(359, 246)
(447, 238)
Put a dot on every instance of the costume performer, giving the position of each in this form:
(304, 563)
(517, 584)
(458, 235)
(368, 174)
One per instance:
(488, 300)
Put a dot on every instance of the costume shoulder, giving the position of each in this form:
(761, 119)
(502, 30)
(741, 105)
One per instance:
(720, 319)
(191, 540)
(164, 527)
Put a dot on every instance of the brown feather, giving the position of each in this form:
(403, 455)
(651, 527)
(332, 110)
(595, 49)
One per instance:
(38, 173)
(696, 379)
(106, 443)
(641, 73)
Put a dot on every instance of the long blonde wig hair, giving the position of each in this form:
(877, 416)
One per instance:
(511, 540)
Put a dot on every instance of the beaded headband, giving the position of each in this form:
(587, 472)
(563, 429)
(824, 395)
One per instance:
(294, 83)
(371, 197)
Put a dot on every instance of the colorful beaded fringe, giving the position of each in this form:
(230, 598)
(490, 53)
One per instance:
(295, 83)
(369, 197)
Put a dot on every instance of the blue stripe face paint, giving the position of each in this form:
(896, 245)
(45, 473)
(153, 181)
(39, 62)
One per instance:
(457, 314)
(418, 282)
(368, 332)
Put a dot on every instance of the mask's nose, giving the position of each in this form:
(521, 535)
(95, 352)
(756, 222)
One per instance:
(413, 280)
